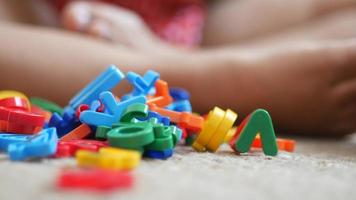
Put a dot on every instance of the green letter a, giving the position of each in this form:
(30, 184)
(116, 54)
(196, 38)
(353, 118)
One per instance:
(257, 122)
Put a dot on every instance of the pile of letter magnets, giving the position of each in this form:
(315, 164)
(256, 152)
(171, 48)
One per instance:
(108, 135)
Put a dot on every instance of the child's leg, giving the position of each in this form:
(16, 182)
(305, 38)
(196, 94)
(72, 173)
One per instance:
(308, 88)
(55, 64)
(254, 19)
(337, 25)
(30, 12)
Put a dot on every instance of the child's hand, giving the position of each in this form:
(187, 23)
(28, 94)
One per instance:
(113, 23)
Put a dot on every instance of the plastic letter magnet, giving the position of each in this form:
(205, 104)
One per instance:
(159, 154)
(7, 139)
(142, 85)
(209, 127)
(15, 103)
(123, 159)
(69, 148)
(257, 122)
(162, 97)
(65, 123)
(101, 132)
(17, 121)
(137, 110)
(188, 120)
(41, 145)
(132, 136)
(225, 125)
(104, 82)
(113, 110)
(46, 105)
(160, 119)
(179, 94)
(283, 144)
(94, 179)
(12, 93)
(109, 158)
(180, 106)
(80, 132)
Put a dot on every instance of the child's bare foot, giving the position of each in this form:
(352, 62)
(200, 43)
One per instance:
(310, 88)
(113, 23)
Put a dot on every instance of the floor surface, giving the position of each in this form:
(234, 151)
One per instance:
(319, 169)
